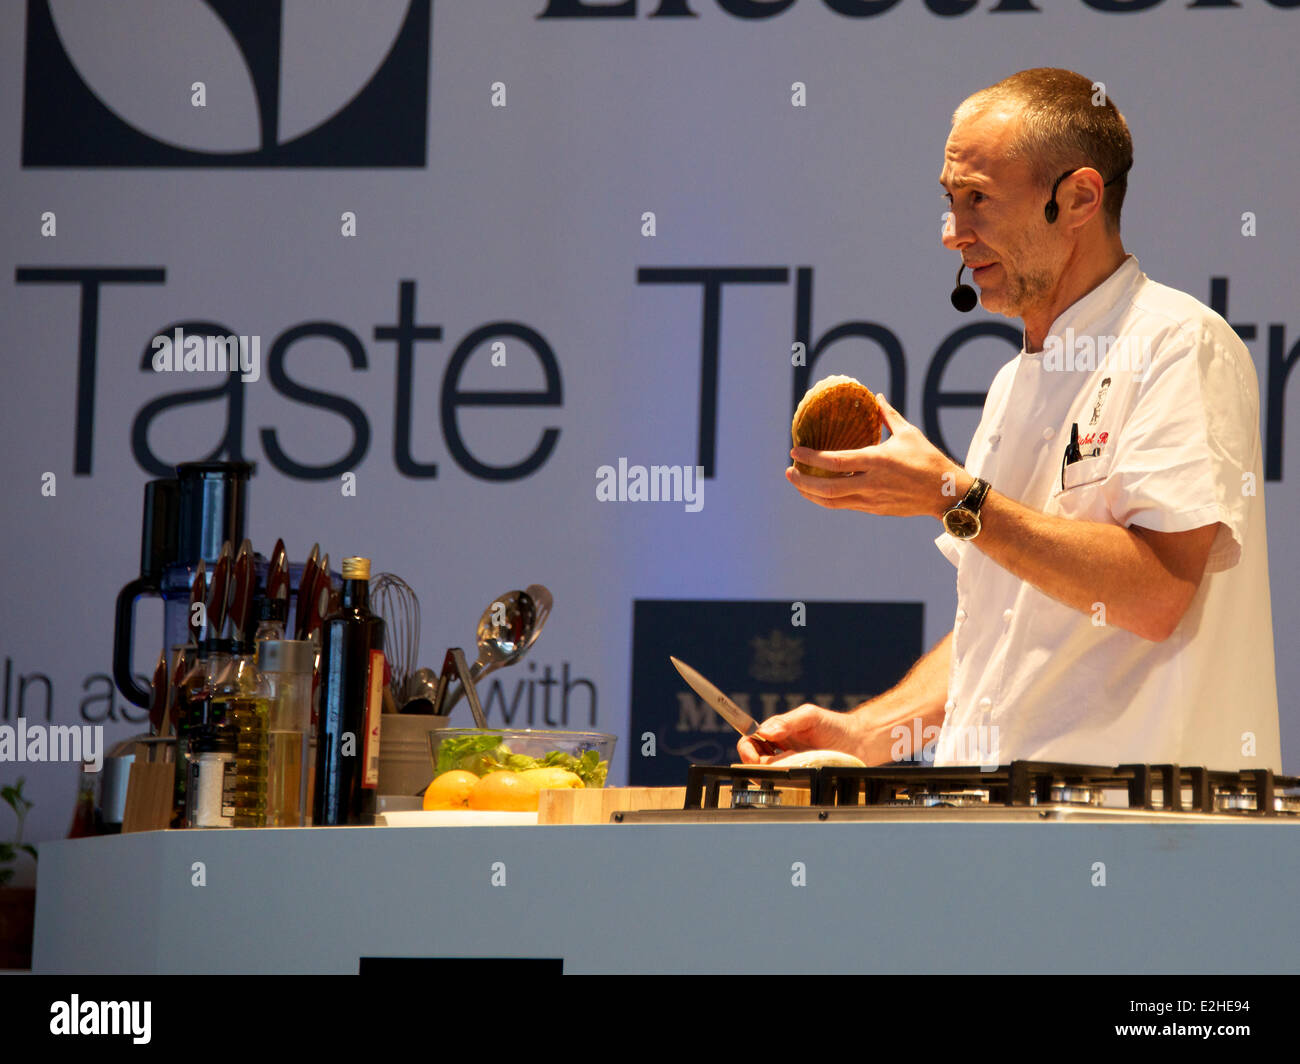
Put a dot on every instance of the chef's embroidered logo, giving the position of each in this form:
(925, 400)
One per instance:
(1091, 443)
(226, 83)
(1101, 399)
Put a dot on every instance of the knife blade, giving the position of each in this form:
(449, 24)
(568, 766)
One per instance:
(725, 707)
(158, 694)
(277, 581)
(180, 666)
(277, 566)
(219, 591)
(306, 592)
(319, 609)
(198, 593)
(244, 584)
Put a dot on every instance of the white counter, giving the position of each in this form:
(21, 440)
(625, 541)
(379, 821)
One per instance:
(911, 898)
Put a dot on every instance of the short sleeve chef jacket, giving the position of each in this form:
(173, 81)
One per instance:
(1168, 416)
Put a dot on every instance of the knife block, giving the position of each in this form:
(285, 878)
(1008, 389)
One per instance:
(149, 791)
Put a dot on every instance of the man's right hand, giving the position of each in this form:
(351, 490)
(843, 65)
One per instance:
(867, 732)
(810, 727)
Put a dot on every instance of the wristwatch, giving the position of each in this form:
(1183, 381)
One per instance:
(963, 520)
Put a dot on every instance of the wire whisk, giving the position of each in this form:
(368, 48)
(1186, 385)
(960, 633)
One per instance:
(392, 598)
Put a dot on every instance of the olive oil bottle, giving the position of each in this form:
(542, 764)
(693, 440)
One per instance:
(242, 698)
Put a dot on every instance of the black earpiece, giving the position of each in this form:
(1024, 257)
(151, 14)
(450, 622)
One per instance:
(964, 297)
(1051, 211)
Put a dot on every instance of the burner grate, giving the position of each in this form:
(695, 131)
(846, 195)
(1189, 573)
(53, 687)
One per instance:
(704, 781)
(1249, 792)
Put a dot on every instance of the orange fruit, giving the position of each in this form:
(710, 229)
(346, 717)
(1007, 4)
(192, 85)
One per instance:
(504, 792)
(450, 790)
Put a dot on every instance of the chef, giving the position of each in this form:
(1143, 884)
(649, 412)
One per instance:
(1107, 527)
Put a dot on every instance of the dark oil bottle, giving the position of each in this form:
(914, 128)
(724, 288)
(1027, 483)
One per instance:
(351, 690)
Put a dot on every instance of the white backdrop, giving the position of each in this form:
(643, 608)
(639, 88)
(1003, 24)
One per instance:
(532, 213)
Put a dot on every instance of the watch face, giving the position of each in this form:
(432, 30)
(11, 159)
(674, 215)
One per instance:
(960, 523)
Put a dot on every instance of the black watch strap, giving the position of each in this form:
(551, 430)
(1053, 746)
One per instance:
(975, 494)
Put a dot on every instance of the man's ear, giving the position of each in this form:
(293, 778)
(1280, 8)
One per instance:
(1083, 201)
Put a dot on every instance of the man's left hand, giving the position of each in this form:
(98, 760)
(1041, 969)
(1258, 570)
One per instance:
(904, 476)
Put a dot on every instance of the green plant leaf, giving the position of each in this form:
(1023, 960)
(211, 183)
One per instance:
(13, 796)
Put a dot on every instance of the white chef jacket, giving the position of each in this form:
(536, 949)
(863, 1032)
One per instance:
(1168, 449)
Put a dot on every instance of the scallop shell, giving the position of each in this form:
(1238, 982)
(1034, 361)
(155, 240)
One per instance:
(836, 414)
(817, 759)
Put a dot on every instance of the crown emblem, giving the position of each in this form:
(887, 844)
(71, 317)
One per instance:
(778, 658)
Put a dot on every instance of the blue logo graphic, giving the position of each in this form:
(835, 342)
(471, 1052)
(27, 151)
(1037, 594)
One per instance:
(226, 83)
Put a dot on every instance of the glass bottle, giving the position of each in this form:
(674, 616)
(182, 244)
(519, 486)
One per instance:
(242, 699)
(83, 814)
(194, 707)
(211, 792)
(270, 618)
(286, 665)
(351, 690)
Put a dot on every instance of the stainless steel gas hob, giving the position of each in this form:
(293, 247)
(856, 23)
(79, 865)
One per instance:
(1022, 790)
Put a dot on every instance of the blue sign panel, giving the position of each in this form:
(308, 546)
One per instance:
(768, 657)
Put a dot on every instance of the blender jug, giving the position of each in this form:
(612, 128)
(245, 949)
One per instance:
(185, 519)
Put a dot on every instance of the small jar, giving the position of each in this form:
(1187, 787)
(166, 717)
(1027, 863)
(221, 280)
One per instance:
(211, 793)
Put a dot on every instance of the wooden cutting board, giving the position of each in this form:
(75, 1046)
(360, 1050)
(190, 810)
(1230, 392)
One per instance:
(596, 806)
(591, 806)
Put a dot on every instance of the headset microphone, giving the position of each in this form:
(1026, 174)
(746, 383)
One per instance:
(963, 296)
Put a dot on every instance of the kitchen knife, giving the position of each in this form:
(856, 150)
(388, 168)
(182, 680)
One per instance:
(158, 694)
(219, 591)
(725, 707)
(446, 676)
(171, 715)
(306, 592)
(277, 578)
(198, 592)
(320, 598)
(244, 584)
